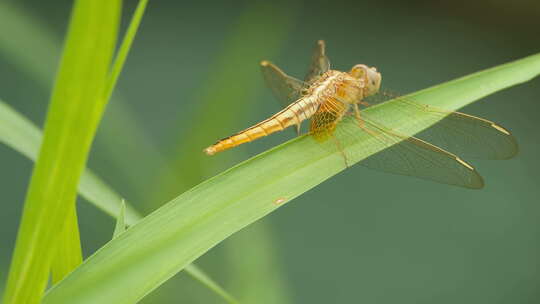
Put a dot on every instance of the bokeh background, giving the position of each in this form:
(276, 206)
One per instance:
(362, 236)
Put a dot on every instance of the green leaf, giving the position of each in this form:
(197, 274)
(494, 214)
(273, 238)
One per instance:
(35, 37)
(120, 220)
(253, 260)
(68, 253)
(20, 134)
(23, 136)
(74, 113)
(163, 243)
(17, 132)
(199, 275)
(125, 46)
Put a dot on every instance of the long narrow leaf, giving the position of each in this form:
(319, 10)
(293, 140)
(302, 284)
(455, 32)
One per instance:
(68, 253)
(120, 220)
(125, 46)
(142, 258)
(198, 274)
(35, 37)
(75, 110)
(20, 134)
(23, 136)
(252, 258)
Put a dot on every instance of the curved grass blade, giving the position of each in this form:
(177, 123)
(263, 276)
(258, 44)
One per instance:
(24, 137)
(198, 274)
(68, 252)
(258, 272)
(74, 112)
(163, 243)
(125, 46)
(120, 225)
(33, 37)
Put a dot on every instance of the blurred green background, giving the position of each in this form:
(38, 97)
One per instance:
(361, 237)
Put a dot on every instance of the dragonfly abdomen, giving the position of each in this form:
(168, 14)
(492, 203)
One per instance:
(294, 114)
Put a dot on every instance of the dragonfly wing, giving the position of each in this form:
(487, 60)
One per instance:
(319, 63)
(285, 88)
(460, 133)
(326, 118)
(411, 156)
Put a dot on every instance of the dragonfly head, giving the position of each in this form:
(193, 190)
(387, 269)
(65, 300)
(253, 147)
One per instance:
(370, 76)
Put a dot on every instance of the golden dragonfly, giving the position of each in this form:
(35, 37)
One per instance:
(326, 96)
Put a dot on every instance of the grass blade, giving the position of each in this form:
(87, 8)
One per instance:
(68, 252)
(24, 137)
(258, 274)
(166, 241)
(20, 134)
(120, 220)
(125, 46)
(35, 37)
(199, 275)
(74, 113)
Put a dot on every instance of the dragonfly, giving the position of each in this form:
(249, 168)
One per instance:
(327, 96)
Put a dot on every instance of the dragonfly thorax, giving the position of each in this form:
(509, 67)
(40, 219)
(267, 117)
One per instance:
(337, 85)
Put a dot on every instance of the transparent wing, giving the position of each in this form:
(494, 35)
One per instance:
(324, 121)
(285, 88)
(460, 133)
(411, 156)
(319, 63)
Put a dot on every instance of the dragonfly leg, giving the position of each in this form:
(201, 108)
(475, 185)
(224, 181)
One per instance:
(357, 116)
(364, 103)
(341, 150)
(361, 122)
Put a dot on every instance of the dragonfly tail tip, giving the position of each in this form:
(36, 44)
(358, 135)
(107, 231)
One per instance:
(210, 150)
